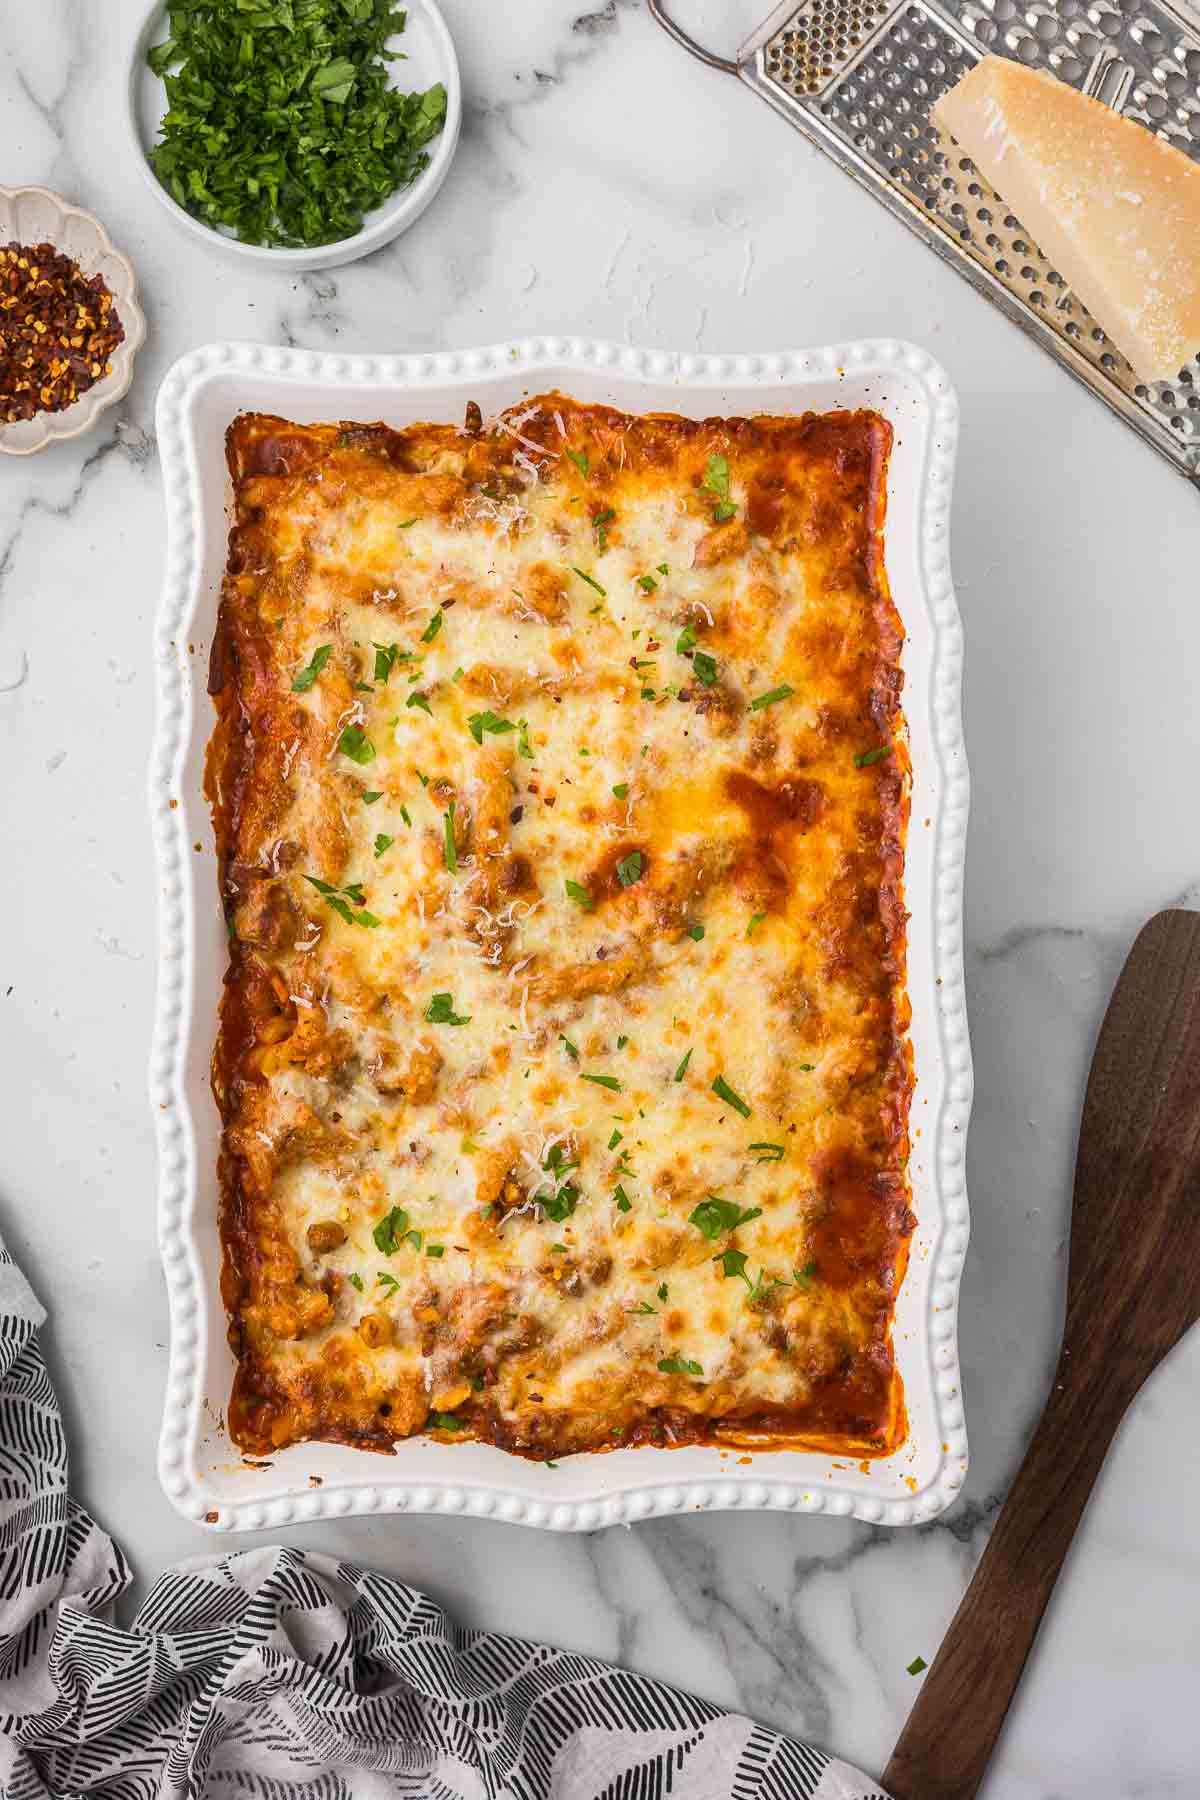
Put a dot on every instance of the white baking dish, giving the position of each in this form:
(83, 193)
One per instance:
(200, 1468)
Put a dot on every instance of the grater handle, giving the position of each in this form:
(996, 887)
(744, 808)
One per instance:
(658, 11)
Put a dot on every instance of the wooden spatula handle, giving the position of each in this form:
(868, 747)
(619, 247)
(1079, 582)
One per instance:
(944, 1748)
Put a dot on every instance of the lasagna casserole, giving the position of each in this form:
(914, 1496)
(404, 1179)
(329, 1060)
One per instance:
(560, 790)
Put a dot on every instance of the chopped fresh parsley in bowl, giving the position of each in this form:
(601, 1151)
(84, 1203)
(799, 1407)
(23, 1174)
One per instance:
(297, 131)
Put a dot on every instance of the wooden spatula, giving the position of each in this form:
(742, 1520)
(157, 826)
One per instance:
(1132, 1291)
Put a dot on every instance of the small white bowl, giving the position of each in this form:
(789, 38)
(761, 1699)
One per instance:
(33, 215)
(429, 50)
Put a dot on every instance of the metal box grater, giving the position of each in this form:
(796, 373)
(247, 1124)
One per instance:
(858, 77)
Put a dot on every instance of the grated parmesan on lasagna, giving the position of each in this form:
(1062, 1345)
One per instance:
(560, 790)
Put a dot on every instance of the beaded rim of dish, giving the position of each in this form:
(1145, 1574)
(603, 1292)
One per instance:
(80, 235)
(185, 1401)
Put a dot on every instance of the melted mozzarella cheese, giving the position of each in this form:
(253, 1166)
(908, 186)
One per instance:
(585, 1015)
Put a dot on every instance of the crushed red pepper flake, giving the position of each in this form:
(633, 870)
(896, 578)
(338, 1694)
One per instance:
(58, 330)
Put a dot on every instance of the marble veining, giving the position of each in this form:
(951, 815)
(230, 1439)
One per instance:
(608, 185)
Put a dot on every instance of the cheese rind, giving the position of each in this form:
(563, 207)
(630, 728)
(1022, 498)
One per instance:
(1114, 208)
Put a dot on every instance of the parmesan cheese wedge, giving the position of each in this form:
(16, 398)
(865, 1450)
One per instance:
(1114, 208)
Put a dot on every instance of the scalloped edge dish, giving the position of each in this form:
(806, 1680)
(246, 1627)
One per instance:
(34, 215)
(200, 1468)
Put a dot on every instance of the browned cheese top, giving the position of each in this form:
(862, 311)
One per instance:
(561, 791)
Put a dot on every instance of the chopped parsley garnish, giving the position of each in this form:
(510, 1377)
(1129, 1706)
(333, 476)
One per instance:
(339, 899)
(647, 583)
(433, 627)
(722, 1089)
(679, 1365)
(561, 1200)
(716, 481)
(281, 123)
(404, 524)
(681, 1071)
(571, 1049)
(440, 1011)
(621, 1042)
(704, 666)
(591, 581)
(662, 1290)
(561, 1205)
(662, 568)
(435, 1250)
(768, 1153)
(601, 523)
(406, 815)
(386, 1281)
(733, 1263)
(695, 932)
(389, 1233)
(451, 852)
(917, 1665)
(756, 920)
(371, 795)
(564, 1197)
(355, 744)
(621, 789)
(771, 698)
(629, 868)
(355, 1282)
(579, 894)
(311, 669)
(383, 842)
(604, 1081)
(386, 658)
(440, 1421)
(580, 459)
(865, 758)
(615, 1139)
(761, 1286)
(714, 1216)
(716, 476)
(623, 1202)
(417, 698)
(480, 722)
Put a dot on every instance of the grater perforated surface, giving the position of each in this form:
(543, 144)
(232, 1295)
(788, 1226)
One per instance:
(859, 78)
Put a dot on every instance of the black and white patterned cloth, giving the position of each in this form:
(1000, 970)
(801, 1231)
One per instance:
(281, 1675)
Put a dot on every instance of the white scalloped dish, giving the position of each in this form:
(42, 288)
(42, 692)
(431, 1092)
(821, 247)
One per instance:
(201, 1469)
(35, 215)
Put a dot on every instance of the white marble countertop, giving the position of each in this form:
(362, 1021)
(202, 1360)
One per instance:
(607, 184)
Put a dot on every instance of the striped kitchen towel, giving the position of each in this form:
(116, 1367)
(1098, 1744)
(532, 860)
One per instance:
(274, 1674)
